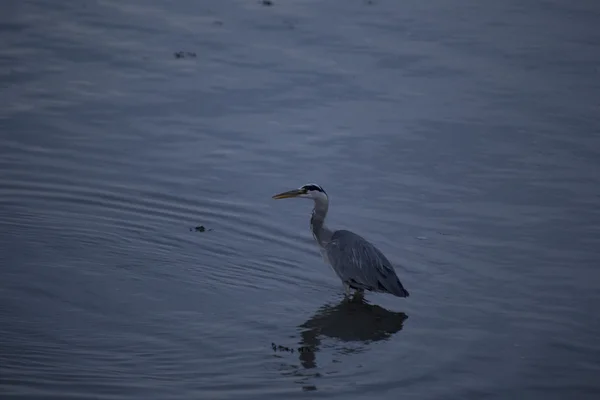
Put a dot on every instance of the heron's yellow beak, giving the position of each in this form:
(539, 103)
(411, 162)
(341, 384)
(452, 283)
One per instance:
(289, 194)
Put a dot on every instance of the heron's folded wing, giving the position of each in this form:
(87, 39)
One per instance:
(359, 262)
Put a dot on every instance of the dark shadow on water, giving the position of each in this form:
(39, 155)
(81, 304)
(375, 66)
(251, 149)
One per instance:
(348, 321)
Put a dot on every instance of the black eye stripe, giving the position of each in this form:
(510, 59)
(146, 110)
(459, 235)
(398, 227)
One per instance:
(313, 187)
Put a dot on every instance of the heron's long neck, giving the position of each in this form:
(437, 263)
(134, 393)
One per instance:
(317, 222)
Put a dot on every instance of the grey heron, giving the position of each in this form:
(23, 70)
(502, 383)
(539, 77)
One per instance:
(359, 264)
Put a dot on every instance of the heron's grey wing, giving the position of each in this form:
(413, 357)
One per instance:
(361, 265)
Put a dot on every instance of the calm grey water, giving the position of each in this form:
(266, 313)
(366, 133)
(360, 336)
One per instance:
(461, 137)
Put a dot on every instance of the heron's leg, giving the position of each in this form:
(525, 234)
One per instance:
(359, 295)
(347, 289)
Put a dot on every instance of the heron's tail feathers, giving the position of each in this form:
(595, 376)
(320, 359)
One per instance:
(399, 290)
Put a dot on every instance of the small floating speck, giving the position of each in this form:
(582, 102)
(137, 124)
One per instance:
(183, 54)
(200, 228)
(280, 348)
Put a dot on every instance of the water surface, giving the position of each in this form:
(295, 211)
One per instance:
(460, 137)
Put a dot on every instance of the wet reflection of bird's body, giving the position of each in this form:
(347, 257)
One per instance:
(356, 321)
(348, 322)
(359, 264)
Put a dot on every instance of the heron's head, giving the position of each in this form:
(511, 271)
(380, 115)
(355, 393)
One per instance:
(309, 191)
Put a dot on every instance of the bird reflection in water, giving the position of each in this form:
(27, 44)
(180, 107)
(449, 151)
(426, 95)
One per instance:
(349, 321)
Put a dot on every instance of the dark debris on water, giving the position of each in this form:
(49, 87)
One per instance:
(200, 228)
(184, 54)
(301, 349)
